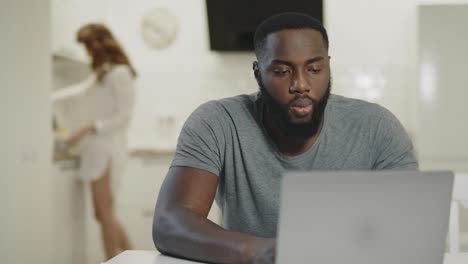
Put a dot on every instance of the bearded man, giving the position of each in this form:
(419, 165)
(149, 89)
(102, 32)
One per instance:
(236, 149)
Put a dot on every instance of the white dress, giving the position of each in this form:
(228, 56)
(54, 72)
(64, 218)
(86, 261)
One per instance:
(109, 104)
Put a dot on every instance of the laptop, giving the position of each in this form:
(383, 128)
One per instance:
(384, 217)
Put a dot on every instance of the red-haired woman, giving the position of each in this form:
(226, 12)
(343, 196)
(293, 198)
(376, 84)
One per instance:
(109, 103)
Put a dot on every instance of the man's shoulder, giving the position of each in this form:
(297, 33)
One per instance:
(343, 102)
(243, 102)
(221, 108)
(345, 106)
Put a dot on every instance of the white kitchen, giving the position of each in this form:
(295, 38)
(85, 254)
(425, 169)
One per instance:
(406, 55)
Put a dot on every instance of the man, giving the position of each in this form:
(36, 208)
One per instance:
(237, 148)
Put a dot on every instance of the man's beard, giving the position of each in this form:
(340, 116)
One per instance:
(280, 117)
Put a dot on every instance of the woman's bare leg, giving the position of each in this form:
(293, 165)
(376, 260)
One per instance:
(124, 243)
(114, 238)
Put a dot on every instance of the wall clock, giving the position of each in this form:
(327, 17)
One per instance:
(159, 28)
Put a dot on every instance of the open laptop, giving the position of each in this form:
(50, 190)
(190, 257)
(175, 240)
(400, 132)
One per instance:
(374, 217)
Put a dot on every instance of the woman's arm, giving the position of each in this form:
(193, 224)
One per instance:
(80, 133)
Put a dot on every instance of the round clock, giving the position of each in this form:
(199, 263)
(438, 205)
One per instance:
(159, 27)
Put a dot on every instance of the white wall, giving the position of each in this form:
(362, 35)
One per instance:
(25, 164)
(373, 50)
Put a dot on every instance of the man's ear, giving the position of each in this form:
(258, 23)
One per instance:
(256, 71)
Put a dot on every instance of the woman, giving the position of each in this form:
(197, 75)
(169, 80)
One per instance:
(102, 141)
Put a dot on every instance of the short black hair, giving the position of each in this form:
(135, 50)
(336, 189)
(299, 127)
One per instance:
(288, 20)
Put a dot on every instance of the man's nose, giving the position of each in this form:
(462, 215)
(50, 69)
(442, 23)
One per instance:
(299, 84)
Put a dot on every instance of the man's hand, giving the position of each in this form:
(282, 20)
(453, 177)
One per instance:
(263, 252)
(80, 133)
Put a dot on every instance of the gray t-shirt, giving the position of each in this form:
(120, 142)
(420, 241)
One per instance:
(226, 137)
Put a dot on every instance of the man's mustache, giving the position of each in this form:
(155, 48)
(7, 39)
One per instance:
(302, 101)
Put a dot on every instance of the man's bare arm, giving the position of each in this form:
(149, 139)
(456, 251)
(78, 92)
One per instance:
(181, 227)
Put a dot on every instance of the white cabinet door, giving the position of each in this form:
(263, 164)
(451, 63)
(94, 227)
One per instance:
(69, 216)
(443, 87)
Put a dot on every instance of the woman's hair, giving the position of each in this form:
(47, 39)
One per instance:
(103, 48)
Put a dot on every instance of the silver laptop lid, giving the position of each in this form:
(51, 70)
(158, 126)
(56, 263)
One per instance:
(364, 217)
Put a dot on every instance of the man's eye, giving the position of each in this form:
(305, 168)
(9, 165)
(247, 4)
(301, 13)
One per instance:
(281, 72)
(314, 70)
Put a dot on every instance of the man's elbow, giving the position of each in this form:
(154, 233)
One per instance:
(161, 235)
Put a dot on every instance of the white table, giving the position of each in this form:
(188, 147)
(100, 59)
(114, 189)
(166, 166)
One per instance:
(145, 257)
(153, 257)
